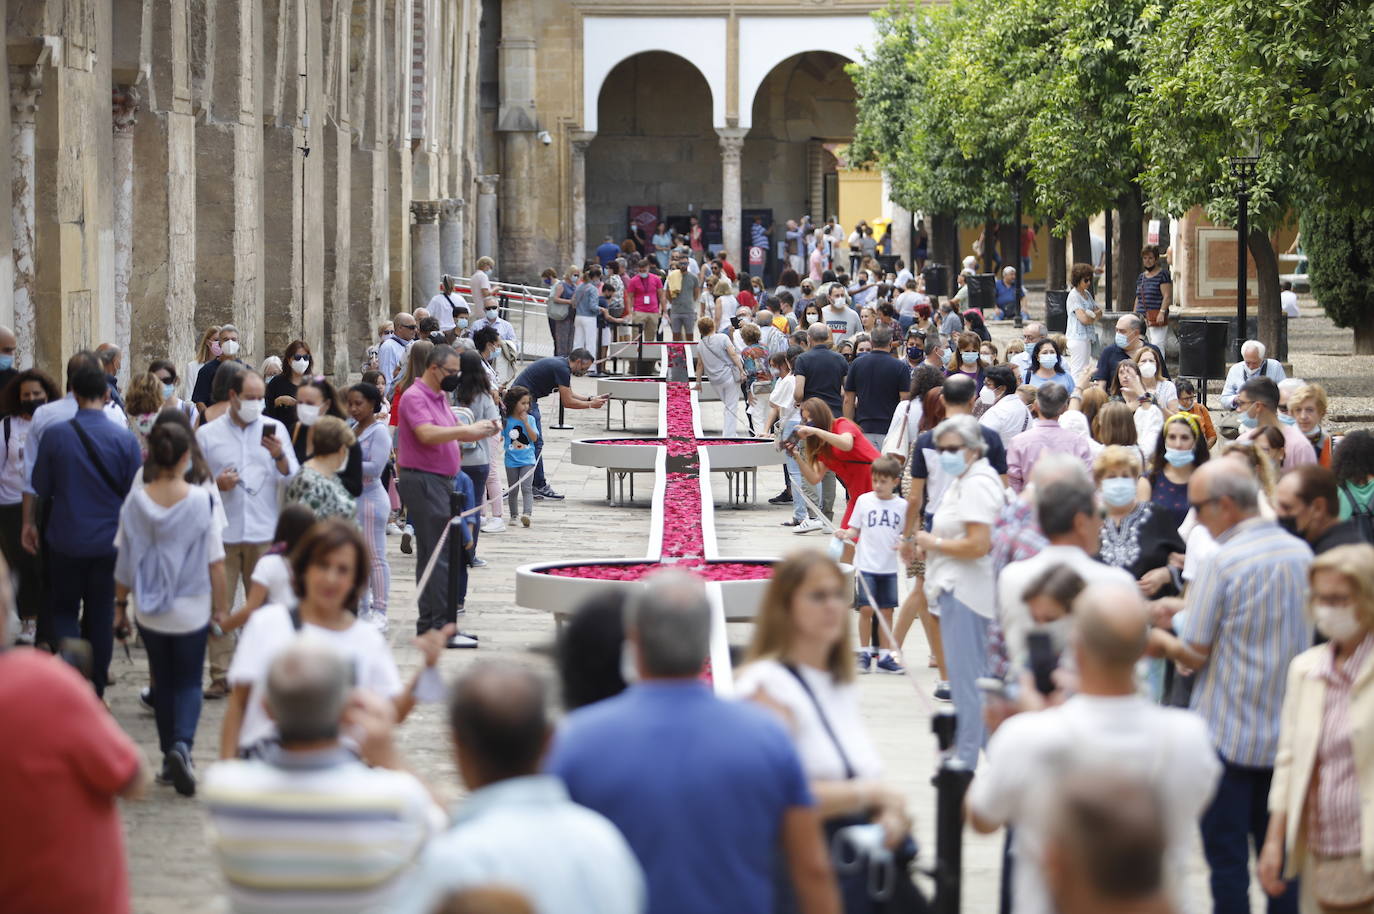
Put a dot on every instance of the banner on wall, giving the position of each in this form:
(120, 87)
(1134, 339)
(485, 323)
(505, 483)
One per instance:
(646, 217)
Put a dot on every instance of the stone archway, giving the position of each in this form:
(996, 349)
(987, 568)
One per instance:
(654, 144)
(804, 104)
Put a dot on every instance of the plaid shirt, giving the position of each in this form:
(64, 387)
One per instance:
(1247, 607)
(1333, 807)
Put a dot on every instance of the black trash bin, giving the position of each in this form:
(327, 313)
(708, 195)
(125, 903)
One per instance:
(937, 280)
(1205, 347)
(1057, 311)
(982, 294)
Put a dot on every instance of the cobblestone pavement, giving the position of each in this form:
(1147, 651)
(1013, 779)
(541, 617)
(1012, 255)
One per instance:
(172, 872)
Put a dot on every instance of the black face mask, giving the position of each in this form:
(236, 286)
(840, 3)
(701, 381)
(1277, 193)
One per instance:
(449, 384)
(28, 407)
(915, 353)
(1289, 526)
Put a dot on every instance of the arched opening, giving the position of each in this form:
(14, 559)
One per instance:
(802, 112)
(655, 146)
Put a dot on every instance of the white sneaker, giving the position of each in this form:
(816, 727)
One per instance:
(393, 530)
(461, 642)
(809, 525)
(493, 524)
(409, 529)
(378, 620)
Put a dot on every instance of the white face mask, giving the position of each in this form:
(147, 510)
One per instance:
(343, 464)
(229, 348)
(1337, 623)
(250, 410)
(1147, 370)
(987, 396)
(629, 670)
(307, 414)
(300, 363)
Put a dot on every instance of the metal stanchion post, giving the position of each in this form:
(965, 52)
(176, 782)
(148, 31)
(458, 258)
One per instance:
(951, 783)
(561, 424)
(457, 556)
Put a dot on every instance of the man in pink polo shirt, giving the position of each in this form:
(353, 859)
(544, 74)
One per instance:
(644, 290)
(427, 459)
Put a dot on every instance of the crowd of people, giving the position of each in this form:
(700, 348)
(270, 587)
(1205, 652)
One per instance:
(1149, 622)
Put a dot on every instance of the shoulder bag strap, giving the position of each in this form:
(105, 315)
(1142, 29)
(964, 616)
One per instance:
(95, 459)
(849, 772)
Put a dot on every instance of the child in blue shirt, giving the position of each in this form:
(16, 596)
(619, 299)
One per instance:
(520, 433)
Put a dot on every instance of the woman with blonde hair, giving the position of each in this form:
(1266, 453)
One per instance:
(726, 303)
(800, 666)
(1321, 820)
(1307, 405)
(317, 485)
(1128, 387)
(206, 351)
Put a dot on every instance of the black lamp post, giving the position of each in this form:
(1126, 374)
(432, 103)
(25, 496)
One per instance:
(1016, 197)
(1243, 170)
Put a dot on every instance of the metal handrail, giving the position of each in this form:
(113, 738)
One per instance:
(531, 300)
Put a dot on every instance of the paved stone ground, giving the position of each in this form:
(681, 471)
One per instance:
(171, 868)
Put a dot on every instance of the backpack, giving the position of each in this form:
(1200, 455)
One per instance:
(1360, 515)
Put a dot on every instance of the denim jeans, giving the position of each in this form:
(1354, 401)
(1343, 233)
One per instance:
(539, 480)
(174, 663)
(478, 474)
(964, 635)
(82, 595)
(1239, 815)
(794, 476)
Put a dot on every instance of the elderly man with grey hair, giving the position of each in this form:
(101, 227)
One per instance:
(1045, 436)
(365, 820)
(1243, 623)
(687, 776)
(1252, 364)
(1105, 724)
(518, 827)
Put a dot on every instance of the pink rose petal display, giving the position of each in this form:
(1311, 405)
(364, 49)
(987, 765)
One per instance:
(682, 545)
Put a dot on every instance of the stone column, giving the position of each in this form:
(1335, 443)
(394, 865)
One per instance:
(581, 139)
(451, 237)
(486, 215)
(424, 252)
(900, 227)
(26, 84)
(124, 104)
(731, 143)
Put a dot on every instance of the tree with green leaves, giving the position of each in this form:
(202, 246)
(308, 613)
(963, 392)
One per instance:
(1292, 80)
(1340, 252)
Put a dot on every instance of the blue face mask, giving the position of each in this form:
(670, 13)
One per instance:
(969, 358)
(1179, 457)
(1248, 421)
(952, 463)
(168, 391)
(6, 362)
(1287, 419)
(949, 357)
(462, 323)
(1118, 491)
(1049, 361)
(1121, 340)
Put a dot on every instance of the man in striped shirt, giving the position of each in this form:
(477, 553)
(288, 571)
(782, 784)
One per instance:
(310, 827)
(1243, 623)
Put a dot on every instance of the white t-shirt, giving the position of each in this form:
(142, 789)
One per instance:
(840, 701)
(1288, 300)
(903, 430)
(1007, 417)
(1030, 753)
(269, 631)
(1149, 419)
(479, 283)
(274, 573)
(15, 431)
(975, 497)
(441, 309)
(906, 303)
(784, 397)
(879, 522)
(1012, 611)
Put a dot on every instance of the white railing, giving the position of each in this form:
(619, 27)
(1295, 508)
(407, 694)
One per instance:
(526, 308)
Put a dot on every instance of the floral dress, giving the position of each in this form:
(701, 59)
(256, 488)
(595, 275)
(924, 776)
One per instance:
(325, 495)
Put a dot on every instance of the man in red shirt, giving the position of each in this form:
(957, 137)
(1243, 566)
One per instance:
(725, 266)
(65, 763)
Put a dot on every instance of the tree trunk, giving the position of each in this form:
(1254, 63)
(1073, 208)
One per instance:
(1082, 242)
(1130, 217)
(944, 247)
(1267, 281)
(1058, 274)
(1364, 335)
(1009, 246)
(989, 243)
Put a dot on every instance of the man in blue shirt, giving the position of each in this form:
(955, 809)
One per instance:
(607, 252)
(86, 467)
(707, 792)
(542, 378)
(1009, 296)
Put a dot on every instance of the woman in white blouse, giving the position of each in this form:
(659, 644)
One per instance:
(801, 666)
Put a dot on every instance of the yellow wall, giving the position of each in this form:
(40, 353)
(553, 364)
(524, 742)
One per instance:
(861, 197)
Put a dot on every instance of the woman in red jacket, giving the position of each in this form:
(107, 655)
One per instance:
(837, 445)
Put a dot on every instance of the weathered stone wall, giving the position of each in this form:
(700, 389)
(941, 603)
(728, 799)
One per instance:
(176, 164)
